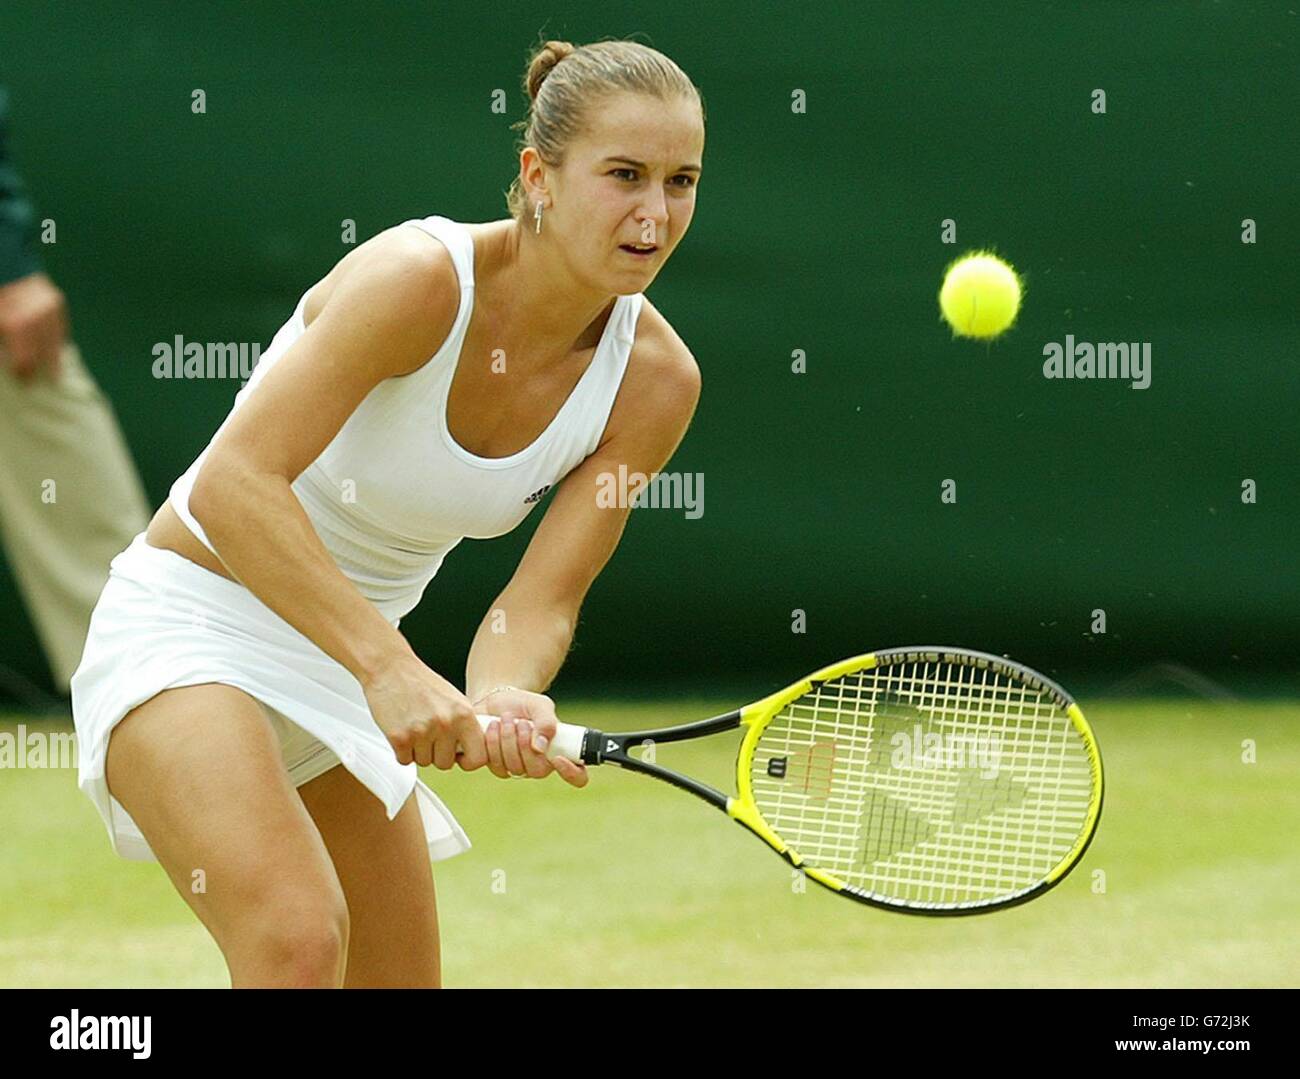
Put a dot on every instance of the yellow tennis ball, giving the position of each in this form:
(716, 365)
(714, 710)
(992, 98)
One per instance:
(980, 295)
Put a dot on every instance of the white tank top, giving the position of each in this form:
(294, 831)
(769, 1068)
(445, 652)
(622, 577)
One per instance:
(393, 492)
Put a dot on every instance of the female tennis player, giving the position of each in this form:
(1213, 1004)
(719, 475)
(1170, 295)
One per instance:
(247, 712)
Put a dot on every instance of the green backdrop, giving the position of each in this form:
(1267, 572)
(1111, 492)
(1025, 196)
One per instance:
(818, 230)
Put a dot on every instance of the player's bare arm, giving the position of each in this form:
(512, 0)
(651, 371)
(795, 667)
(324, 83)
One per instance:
(387, 312)
(539, 607)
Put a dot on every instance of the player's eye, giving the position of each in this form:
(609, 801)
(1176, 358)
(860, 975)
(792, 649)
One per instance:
(631, 175)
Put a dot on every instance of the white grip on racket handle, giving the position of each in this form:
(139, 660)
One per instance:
(566, 743)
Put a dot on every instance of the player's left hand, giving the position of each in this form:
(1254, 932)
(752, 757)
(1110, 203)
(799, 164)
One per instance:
(516, 743)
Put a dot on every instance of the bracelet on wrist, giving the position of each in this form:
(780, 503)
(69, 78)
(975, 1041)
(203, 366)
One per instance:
(495, 689)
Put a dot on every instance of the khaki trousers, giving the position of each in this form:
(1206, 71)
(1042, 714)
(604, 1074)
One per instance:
(70, 500)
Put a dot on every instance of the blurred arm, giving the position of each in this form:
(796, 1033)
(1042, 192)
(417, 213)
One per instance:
(33, 312)
(19, 252)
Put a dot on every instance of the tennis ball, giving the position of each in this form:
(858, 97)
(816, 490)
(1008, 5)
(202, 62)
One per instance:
(980, 295)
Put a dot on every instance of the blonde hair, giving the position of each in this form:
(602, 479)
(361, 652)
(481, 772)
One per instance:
(563, 81)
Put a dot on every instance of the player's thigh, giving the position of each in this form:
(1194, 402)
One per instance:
(199, 769)
(387, 879)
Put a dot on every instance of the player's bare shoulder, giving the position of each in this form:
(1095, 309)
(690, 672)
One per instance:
(661, 386)
(403, 282)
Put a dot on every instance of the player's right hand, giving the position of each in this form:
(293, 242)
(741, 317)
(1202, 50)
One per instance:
(425, 718)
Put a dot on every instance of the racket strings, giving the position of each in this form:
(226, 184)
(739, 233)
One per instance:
(926, 783)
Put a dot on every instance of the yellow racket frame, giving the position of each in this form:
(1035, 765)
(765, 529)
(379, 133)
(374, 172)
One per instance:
(757, 716)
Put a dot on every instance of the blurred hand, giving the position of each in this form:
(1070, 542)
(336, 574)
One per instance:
(516, 743)
(33, 325)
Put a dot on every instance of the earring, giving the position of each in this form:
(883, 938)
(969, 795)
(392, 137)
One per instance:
(537, 218)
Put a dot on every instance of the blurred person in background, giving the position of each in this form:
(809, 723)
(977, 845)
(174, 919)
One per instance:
(70, 496)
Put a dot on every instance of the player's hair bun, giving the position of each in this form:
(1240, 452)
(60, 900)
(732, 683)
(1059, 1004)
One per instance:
(543, 61)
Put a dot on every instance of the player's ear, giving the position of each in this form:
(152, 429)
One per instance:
(533, 177)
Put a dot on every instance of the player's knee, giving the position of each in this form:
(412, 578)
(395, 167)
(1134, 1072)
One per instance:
(298, 939)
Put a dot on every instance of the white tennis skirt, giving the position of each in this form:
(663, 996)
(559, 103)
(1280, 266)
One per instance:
(162, 622)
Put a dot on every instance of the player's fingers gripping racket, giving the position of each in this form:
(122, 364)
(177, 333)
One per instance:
(930, 780)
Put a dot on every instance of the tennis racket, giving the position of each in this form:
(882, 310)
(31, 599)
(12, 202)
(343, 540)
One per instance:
(929, 780)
